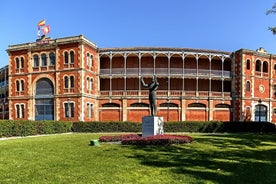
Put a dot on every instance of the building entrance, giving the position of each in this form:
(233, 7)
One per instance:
(261, 113)
(44, 100)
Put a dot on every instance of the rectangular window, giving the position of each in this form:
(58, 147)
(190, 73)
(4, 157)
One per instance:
(69, 110)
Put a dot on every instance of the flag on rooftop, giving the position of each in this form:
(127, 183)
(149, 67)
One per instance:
(46, 29)
(41, 23)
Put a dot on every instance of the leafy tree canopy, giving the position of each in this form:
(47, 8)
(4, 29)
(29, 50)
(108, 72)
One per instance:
(272, 11)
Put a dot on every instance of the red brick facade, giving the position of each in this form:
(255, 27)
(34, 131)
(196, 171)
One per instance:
(255, 85)
(71, 79)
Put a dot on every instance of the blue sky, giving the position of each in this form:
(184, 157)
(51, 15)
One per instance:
(226, 25)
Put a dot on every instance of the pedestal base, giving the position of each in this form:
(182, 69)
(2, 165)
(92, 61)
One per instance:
(152, 125)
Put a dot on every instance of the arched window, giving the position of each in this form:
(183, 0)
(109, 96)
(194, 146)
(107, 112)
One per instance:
(258, 65)
(91, 60)
(44, 101)
(17, 63)
(248, 64)
(197, 105)
(225, 106)
(91, 83)
(89, 107)
(22, 62)
(52, 58)
(275, 67)
(247, 86)
(17, 85)
(88, 110)
(44, 87)
(36, 60)
(20, 110)
(168, 105)
(111, 105)
(66, 57)
(22, 85)
(72, 57)
(139, 105)
(265, 67)
(260, 113)
(17, 111)
(44, 59)
(88, 59)
(66, 82)
(87, 83)
(72, 84)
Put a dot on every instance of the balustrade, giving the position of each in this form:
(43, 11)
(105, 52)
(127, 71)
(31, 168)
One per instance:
(163, 93)
(164, 71)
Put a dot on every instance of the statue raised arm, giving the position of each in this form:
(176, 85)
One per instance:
(152, 93)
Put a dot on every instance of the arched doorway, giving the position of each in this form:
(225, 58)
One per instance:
(44, 100)
(260, 113)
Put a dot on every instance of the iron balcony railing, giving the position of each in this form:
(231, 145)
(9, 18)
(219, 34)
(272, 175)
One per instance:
(165, 93)
(165, 72)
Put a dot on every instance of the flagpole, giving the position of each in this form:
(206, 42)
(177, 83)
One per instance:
(38, 32)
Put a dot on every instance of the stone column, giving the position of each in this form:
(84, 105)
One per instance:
(124, 102)
(183, 109)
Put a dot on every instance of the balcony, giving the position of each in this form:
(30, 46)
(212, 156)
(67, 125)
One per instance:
(165, 93)
(177, 72)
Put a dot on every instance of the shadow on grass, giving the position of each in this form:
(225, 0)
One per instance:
(217, 158)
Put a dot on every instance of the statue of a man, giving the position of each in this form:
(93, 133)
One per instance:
(152, 93)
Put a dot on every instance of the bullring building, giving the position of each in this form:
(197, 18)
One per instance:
(71, 79)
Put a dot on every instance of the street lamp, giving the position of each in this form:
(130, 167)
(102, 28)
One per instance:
(260, 102)
(69, 108)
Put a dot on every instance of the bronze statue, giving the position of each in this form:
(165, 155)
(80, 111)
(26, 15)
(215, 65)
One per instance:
(152, 93)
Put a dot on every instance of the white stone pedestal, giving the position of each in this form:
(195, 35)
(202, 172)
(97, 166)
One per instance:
(152, 125)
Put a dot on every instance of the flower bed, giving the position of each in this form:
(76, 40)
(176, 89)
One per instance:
(135, 139)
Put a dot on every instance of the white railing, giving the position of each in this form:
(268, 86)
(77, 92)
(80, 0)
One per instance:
(164, 93)
(166, 72)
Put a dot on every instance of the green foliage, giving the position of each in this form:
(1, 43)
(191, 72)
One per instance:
(112, 126)
(6, 128)
(193, 126)
(10, 128)
(272, 11)
(186, 126)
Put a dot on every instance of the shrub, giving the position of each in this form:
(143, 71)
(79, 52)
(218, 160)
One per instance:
(135, 139)
(117, 138)
(112, 126)
(10, 128)
(6, 128)
(259, 127)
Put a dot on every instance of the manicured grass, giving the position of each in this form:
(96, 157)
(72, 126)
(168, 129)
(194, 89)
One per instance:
(68, 158)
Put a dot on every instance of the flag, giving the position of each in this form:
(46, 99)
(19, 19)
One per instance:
(41, 23)
(46, 29)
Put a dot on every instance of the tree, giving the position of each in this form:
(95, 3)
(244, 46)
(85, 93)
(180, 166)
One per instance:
(272, 11)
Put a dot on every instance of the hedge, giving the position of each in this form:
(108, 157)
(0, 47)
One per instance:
(204, 127)
(112, 126)
(10, 128)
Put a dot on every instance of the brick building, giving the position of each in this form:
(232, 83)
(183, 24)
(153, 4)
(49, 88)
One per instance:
(72, 79)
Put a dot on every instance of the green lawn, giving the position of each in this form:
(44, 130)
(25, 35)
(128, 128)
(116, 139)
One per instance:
(68, 158)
